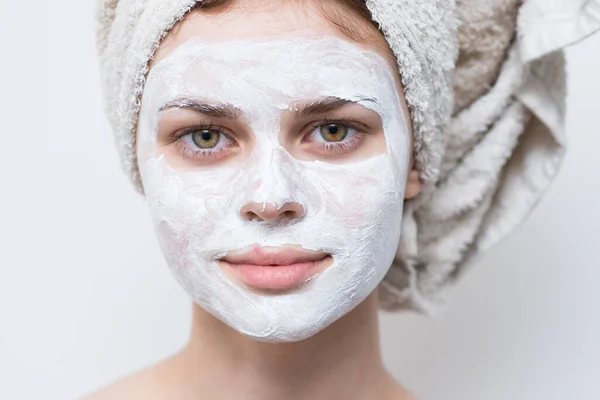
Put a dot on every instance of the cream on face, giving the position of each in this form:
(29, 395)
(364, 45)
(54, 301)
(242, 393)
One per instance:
(351, 209)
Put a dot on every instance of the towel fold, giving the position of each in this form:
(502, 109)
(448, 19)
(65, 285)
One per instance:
(503, 145)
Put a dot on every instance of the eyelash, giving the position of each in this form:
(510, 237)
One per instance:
(333, 147)
(345, 145)
(188, 152)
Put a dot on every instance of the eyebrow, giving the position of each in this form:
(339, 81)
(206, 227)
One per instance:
(225, 111)
(325, 105)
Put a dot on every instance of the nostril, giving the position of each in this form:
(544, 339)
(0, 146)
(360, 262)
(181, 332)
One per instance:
(251, 216)
(289, 214)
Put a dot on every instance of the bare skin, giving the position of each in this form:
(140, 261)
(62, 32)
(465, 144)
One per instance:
(341, 362)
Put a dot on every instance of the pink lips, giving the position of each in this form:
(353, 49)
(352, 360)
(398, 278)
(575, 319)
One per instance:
(275, 268)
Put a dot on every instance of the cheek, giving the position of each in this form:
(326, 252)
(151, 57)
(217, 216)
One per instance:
(173, 242)
(184, 209)
(357, 199)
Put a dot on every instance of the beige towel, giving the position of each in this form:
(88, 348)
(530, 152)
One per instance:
(484, 80)
(503, 146)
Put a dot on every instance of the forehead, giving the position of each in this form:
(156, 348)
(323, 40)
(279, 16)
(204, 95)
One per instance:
(261, 21)
(254, 74)
(304, 62)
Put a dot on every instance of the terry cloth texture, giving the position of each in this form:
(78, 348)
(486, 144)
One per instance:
(485, 85)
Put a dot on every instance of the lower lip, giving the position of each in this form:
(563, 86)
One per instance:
(275, 277)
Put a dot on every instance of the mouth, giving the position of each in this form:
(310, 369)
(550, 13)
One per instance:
(274, 268)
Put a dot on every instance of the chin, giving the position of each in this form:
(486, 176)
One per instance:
(286, 335)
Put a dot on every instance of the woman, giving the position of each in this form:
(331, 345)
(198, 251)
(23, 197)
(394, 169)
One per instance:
(290, 152)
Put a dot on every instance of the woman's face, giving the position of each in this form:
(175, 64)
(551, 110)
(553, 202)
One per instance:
(274, 154)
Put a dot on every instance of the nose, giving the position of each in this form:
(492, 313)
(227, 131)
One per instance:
(269, 212)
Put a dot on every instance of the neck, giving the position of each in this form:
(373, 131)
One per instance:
(342, 361)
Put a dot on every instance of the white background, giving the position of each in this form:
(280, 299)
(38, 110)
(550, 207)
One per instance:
(85, 297)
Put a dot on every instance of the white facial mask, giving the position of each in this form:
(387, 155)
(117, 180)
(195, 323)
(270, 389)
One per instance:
(353, 210)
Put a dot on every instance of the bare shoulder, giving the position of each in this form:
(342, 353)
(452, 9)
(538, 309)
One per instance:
(400, 393)
(396, 391)
(140, 385)
(153, 383)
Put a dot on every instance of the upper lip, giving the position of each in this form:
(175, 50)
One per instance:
(273, 256)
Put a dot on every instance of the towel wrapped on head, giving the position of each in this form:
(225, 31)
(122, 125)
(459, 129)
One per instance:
(485, 85)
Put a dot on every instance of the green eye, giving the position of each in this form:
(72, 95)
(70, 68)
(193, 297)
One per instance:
(334, 132)
(206, 138)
